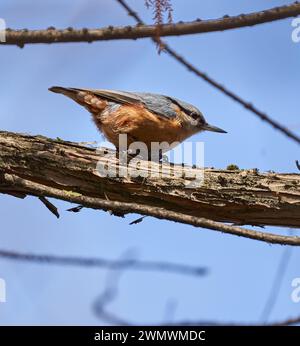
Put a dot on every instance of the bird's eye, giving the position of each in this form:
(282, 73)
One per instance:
(194, 115)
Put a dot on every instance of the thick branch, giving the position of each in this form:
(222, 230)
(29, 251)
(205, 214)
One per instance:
(51, 35)
(35, 165)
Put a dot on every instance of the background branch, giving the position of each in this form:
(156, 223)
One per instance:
(92, 262)
(110, 294)
(277, 283)
(51, 35)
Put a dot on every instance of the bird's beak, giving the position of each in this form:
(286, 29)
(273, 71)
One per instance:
(208, 127)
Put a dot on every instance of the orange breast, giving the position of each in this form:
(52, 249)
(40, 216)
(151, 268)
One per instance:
(140, 125)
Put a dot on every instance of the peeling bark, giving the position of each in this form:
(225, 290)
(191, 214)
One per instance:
(235, 196)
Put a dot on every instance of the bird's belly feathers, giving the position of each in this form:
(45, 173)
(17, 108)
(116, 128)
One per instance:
(140, 125)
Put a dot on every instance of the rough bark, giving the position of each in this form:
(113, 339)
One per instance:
(235, 196)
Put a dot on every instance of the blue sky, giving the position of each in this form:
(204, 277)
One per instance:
(261, 64)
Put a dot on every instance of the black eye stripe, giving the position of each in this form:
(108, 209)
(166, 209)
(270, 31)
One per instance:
(191, 113)
(186, 110)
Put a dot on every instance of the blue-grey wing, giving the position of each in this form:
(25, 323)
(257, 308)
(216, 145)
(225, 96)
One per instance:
(158, 104)
(164, 105)
(116, 96)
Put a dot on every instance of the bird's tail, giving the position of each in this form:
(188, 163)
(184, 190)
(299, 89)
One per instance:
(70, 92)
(83, 97)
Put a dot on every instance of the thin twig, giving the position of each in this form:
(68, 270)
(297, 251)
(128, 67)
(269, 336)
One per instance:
(92, 262)
(287, 322)
(263, 116)
(276, 285)
(136, 221)
(110, 294)
(49, 206)
(52, 35)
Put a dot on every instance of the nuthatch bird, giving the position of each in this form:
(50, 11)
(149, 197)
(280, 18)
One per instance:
(143, 117)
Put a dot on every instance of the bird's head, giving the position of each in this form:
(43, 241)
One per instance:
(195, 120)
(199, 123)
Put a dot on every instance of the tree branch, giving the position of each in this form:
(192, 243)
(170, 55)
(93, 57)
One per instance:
(38, 166)
(287, 322)
(276, 284)
(51, 35)
(110, 294)
(91, 262)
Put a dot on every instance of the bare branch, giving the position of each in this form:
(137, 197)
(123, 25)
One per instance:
(263, 116)
(287, 322)
(91, 262)
(52, 35)
(276, 285)
(110, 294)
(39, 166)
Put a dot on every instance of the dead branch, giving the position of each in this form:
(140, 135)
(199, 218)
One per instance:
(39, 166)
(52, 35)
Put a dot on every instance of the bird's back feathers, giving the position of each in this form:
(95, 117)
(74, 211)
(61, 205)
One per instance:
(156, 103)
